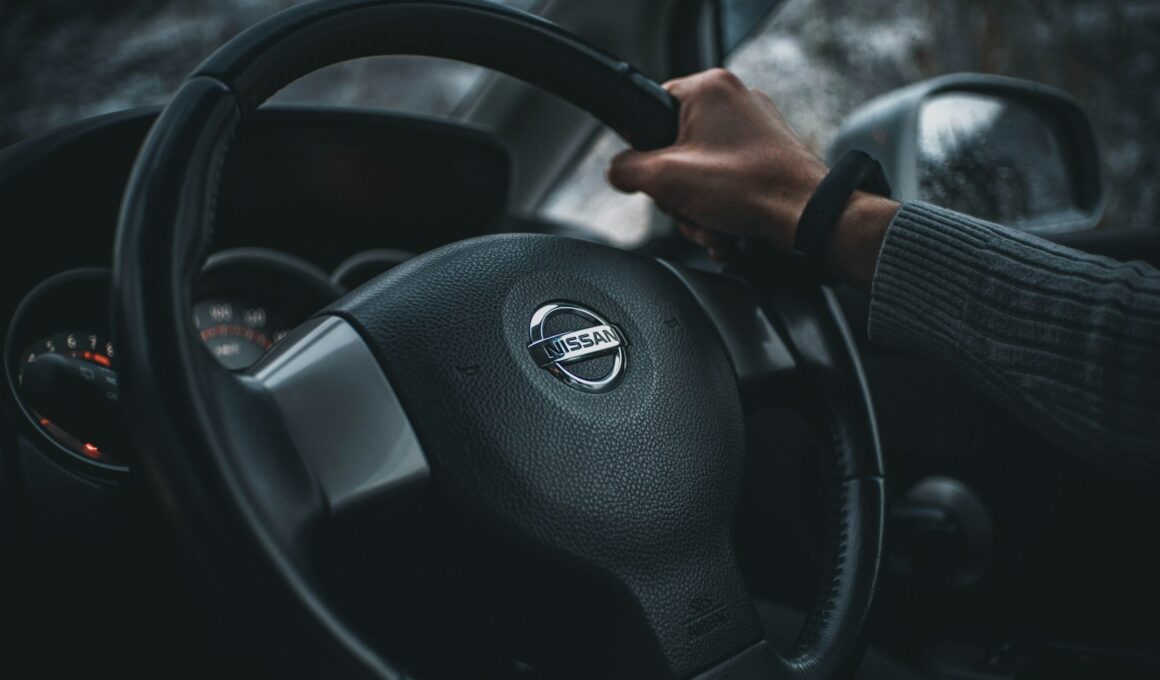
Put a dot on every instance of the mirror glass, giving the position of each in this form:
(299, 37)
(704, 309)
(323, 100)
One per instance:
(997, 159)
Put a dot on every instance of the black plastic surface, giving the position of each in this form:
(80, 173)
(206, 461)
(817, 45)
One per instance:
(762, 362)
(640, 482)
(813, 345)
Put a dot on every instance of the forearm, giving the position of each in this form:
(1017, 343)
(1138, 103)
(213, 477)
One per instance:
(1068, 341)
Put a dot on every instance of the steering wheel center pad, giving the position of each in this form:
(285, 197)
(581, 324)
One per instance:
(633, 480)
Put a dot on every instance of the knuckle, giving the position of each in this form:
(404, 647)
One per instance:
(676, 86)
(723, 79)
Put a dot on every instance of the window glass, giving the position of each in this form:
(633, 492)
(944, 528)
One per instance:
(65, 61)
(740, 17)
(584, 199)
(994, 158)
(820, 59)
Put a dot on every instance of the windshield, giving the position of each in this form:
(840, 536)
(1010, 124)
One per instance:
(65, 61)
(818, 59)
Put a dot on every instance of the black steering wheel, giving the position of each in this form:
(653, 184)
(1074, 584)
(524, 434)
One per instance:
(571, 413)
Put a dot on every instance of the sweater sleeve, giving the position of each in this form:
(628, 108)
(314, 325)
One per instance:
(1069, 342)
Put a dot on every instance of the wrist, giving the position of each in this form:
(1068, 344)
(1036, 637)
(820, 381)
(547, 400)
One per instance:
(783, 207)
(852, 249)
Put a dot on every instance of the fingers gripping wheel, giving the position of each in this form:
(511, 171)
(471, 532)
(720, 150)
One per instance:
(641, 487)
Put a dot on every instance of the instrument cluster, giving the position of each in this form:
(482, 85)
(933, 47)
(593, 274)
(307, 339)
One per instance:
(60, 357)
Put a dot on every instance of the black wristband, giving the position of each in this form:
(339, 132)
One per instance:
(854, 170)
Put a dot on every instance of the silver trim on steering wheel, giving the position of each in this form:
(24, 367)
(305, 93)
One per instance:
(341, 413)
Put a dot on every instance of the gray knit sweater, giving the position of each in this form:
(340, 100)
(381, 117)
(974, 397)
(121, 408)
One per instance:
(1069, 342)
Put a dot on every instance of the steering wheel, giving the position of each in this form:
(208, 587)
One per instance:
(573, 413)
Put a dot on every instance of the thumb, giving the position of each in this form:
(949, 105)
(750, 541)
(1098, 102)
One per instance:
(631, 171)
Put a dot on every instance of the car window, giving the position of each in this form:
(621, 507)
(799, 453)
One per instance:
(739, 18)
(820, 59)
(583, 199)
(65, 61)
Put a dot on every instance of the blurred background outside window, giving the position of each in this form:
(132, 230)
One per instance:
(64, 60)
(820, 59)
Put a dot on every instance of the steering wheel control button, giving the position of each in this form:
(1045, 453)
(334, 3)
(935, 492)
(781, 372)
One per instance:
(578, 346)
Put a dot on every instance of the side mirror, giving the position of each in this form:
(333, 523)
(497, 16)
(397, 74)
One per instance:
(1001, 149)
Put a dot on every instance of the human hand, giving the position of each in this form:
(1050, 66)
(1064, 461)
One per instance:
(736, 168)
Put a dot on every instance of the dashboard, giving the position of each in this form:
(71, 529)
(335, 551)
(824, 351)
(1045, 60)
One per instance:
(313, 204)
(61, 361)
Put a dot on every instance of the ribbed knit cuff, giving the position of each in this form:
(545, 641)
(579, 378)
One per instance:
(928, 264)
(1065, 340)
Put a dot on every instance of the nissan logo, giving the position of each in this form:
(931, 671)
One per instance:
(557, 352)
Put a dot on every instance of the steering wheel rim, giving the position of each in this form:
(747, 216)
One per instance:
(186, 406)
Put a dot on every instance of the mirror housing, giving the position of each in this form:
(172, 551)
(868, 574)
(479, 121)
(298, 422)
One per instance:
(1001, 149)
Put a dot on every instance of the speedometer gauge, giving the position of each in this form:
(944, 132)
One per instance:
(82, 345)
(247, 299)
(60, 361)
(70, 377)
(61, 366)
(237, 332)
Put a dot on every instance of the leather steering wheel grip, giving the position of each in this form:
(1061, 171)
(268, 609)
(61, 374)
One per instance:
(300, 40)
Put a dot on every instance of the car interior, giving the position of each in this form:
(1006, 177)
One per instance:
(270, 412)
